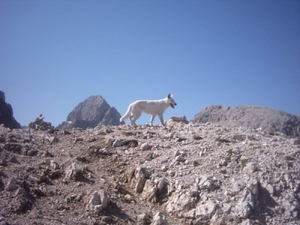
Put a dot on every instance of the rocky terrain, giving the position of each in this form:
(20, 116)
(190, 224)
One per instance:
(91, 112)
(267, 119)
(184, 173)
(6, 113)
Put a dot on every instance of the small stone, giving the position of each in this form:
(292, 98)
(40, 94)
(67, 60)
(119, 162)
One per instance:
(32, 152)
(117, 143)
(159, 219)
(12, 184)
(145, 147)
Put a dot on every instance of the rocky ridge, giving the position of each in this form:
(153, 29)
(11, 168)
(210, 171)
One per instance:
(267, 119)
(6, 113)
(91, 112)
(184, 173)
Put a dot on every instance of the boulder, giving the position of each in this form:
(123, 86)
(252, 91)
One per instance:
(140, 176)
(98, 201)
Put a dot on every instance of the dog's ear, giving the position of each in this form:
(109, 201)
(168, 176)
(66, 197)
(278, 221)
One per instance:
(169, 95)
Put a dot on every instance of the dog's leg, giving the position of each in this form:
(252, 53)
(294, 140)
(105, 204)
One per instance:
(151, 120)
(161, 119)
(131, 121)
(135, 117)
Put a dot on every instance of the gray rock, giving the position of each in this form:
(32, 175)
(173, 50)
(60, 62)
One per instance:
(71, 172)
(95, 199)
(117, 143)
(141, 175)
(243, 209)
(159, 219)
(205, 210)
(103, 198)
(254, 117)
(178, 119)
(149, 191)
(12, 184)
(180, 202)
(248, 201)
(144, 219)
(92, 112)
(98, 201)
(145, 147)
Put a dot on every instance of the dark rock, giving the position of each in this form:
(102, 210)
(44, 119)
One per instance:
(13, 147)
(21, 204)
(6, 113)
(92, 112)
(12, 184)
(32, 152)
(254, 117)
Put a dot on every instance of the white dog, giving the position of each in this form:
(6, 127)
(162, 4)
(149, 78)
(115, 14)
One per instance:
(152, 107)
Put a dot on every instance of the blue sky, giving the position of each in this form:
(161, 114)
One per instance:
(55, 54)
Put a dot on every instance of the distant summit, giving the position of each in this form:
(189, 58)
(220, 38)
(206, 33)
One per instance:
(267, 119)
(6, 113)
(92, 112)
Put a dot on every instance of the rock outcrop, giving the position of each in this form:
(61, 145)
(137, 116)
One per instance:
(188, 174)
(254, 117)
(40, 124)
(6, 113)
(90, 113)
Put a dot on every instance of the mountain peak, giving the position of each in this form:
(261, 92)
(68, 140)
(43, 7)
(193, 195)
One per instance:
(91, 112)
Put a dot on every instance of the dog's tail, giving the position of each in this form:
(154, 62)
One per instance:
(127, 114)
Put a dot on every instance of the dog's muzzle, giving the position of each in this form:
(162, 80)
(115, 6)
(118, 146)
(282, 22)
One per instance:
(173, 105)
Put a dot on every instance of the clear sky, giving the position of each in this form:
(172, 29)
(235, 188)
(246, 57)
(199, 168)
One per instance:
(54, 54)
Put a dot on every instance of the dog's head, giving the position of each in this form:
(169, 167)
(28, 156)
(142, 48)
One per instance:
(171, 100)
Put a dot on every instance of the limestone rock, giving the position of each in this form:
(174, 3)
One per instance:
(178, 119)
(254, 117)
(140, 177)
(98, 201)
(72, 172)
(180, 202)
(159, 219)
(92, 112)
(205, 211)
(248, 201)
(145, 146)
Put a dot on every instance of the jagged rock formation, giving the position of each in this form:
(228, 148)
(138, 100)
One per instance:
(92, 112)
(6, 113)
(254, 117)
(179, 174)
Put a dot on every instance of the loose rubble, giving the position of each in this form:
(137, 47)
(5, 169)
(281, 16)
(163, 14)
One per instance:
(184, 173)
